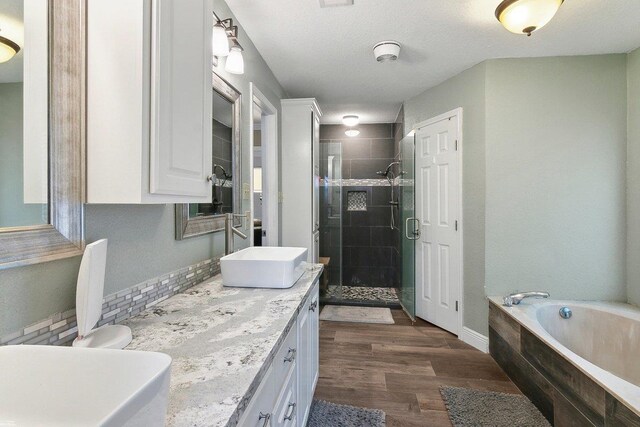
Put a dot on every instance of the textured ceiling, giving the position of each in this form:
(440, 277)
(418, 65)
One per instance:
(327, 53)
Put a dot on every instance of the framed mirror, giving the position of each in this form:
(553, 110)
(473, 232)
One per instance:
(196, 219)
(42, 143)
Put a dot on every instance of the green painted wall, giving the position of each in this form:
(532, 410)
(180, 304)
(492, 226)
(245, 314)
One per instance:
(555, 182)
(13, 211)
(633, 177)
(544, 176)
(141, 238)
(466, 90)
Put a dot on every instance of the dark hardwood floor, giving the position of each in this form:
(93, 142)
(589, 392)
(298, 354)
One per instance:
(399, 369)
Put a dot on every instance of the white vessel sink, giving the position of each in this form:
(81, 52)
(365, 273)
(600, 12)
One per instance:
(64, 386)
(263, 267)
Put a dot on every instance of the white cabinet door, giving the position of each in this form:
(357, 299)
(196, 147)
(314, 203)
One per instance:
(314, 345)
(308, 341)
(181, 97)
(304, 364)
(260, 411)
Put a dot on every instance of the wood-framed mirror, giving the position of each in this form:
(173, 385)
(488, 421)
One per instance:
(49, 138)
(197, 219)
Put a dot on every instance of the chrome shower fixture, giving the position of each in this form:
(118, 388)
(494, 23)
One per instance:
(390, 176)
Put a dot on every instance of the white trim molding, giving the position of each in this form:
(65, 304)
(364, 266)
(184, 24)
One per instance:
(475, 339)
(269, 143)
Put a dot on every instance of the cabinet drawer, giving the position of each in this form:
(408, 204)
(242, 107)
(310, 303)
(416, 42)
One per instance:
(259, 413)
(286, 358)
(287, 407)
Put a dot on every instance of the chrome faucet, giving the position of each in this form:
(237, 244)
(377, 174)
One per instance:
(515, 299)
(230, 230)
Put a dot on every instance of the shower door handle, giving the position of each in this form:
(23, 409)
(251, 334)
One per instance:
(415, 233)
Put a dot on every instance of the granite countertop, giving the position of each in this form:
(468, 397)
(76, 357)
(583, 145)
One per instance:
(222, 341)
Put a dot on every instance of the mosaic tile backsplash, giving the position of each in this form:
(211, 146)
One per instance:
(62, 328)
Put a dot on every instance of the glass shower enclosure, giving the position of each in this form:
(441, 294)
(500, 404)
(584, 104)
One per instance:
(333, 205)
(407, 290)
(331, 219)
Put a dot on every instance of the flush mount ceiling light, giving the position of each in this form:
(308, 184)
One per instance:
(350, 120)
(386, 51)
(352, 132)
(223, 32)
(335, 3)
(526, 16)
(8, 49)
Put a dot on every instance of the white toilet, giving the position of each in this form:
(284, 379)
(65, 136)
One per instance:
(89, 303)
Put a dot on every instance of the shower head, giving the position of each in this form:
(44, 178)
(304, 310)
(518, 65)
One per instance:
(386, 172)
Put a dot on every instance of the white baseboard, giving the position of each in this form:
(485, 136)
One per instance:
(475, 339)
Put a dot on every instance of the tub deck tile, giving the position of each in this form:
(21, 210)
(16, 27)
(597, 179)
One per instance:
(580, 390)
(619, 415)
(526, 377)
(563, 393)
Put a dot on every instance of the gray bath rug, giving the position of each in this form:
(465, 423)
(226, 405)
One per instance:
(467, 407)
(326, 414)
(344, 313)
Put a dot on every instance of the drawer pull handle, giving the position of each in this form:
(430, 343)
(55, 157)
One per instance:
(266, 418)
(313, 306)
(291, 411)
(291, 355)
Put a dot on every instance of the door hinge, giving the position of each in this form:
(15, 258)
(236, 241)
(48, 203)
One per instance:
(456, 225)
(456, 145)
(456, 305)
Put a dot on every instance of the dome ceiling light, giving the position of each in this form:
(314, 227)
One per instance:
(8, 49)
(526, 16)
(350, 120)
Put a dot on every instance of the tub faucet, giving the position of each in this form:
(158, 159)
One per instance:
(230, 230)
(515, 299)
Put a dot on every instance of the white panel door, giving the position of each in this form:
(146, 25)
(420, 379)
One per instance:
(181, 98)
(437, 206)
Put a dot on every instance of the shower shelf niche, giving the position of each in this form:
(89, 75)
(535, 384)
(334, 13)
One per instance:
(356, 200)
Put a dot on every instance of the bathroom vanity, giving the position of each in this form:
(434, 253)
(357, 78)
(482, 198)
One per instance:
(241, 356)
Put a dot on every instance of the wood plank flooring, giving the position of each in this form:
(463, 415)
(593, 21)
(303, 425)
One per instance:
(399, 369)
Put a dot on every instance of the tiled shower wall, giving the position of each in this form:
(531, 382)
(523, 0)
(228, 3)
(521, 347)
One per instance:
(62, 328)
(369, 245)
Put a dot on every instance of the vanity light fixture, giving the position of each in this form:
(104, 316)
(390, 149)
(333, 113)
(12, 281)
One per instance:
(352, 132)
(351, 120)
(8, 49)
(526, 16)
(219, 40)
(235, 62)
(223, 32)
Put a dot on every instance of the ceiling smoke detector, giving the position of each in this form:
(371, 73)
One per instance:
(386, 51)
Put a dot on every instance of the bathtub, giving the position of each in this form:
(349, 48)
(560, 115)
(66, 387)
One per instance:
(600, 339)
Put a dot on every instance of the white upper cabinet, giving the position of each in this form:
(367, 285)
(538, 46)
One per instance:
(301, 173)
(149, 101)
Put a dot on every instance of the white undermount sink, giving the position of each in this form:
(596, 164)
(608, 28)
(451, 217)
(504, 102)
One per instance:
(66, 386)
(263, 267)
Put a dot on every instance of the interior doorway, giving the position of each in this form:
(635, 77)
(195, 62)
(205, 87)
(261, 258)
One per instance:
(264, 170)
(438, 250)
